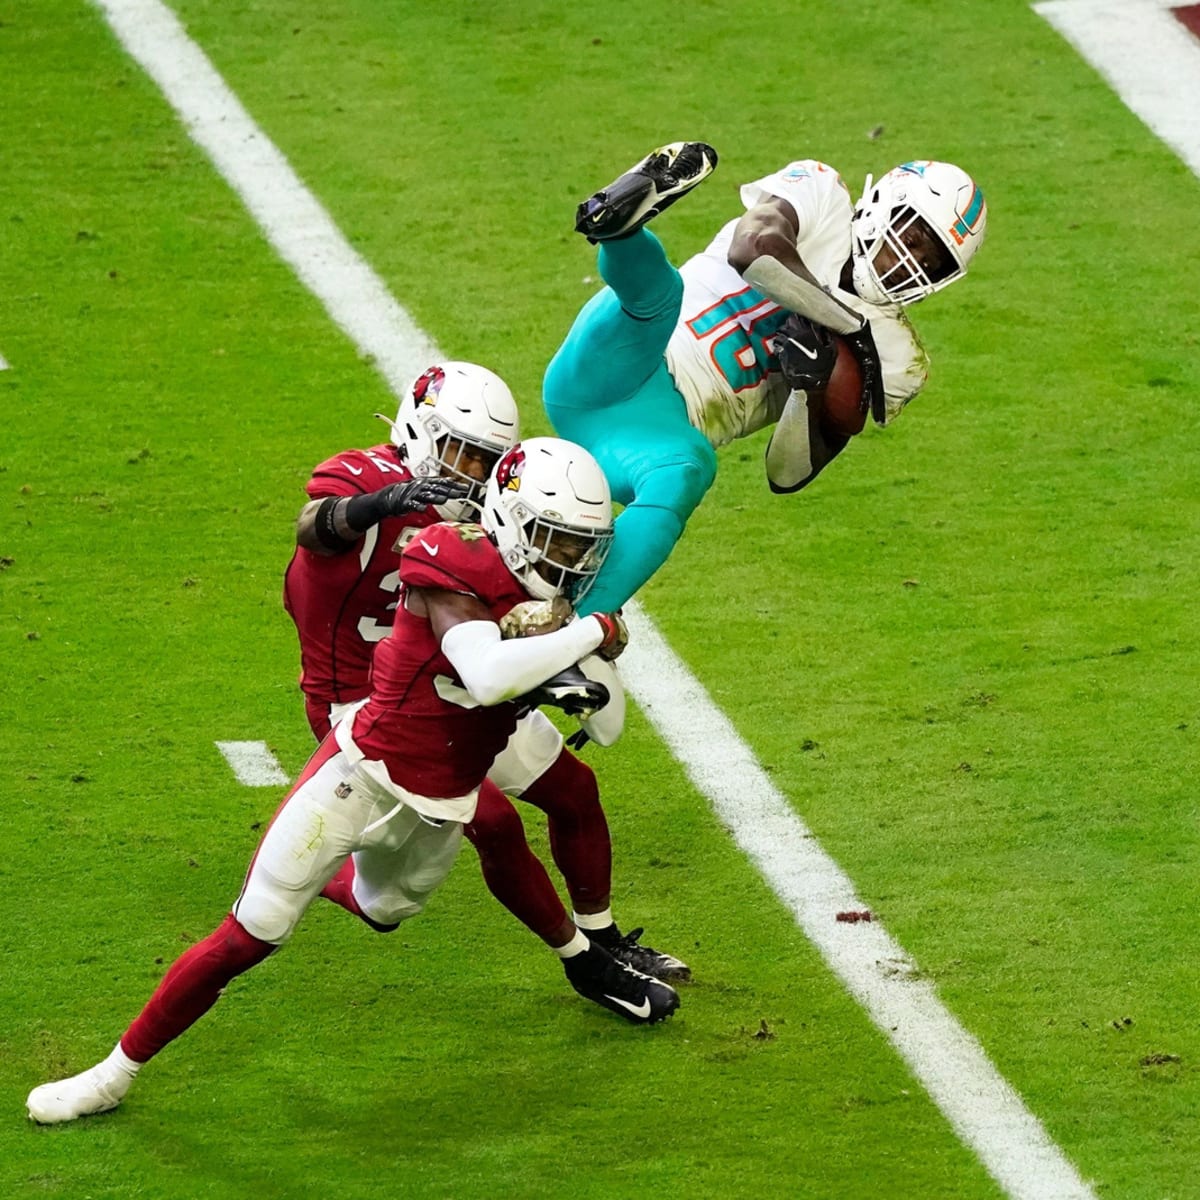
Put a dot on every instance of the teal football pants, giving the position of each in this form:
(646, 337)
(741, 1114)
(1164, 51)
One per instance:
(608, 388)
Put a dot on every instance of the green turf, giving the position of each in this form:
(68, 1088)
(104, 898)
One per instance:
(988, 713)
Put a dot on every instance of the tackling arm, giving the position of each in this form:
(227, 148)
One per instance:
(335, 524)
(494, 670)
(763, 252)
(327, 516)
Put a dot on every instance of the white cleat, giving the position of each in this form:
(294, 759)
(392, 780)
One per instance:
(80, 1096)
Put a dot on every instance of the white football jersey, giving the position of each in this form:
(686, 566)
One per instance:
(719, 353)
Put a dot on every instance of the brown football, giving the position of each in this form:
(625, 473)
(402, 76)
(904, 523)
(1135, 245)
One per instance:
(842, 414)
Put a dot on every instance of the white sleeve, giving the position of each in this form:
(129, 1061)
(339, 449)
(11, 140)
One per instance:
(606, 724)
(821, 204)
(805, 185)
(789, 452)
(796, 294)
(902, 358)
(493, 670)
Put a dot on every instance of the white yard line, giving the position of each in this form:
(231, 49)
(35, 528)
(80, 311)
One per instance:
(981, 1106)
(1149, 58)
(3, 363)
(253, 764)
(984, 1110)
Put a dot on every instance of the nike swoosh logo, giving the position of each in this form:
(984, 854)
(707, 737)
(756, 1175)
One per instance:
(430, 550)
(639, 1010)
(352, 470)
(806, 351)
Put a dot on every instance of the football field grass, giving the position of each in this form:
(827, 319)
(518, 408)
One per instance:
(966, 656)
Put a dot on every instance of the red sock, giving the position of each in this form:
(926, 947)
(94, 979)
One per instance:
(512, 871)
(191, 987)
(340, 889)
(579, 839)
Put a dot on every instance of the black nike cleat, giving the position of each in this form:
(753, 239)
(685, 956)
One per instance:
(645, 190)
(571, 690)
(628, 949)
(597, 976)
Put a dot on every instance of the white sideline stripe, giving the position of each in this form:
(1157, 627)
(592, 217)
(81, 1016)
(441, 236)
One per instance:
(987, 1114)
(984, 1110)
(253, 764)
(1149, 58)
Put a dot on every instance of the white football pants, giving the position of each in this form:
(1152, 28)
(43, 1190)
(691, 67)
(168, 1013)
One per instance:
(399, 857)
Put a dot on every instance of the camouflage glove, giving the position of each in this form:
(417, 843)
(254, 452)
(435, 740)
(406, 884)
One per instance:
(616, 635)
(534, 617)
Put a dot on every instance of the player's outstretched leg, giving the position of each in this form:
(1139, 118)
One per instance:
(513, 873)
(596, 975)
(645, 190)
(188, 990)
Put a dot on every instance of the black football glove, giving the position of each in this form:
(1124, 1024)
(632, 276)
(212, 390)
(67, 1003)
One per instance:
(862, 346)
(571, 690)
(400, 499)
(806, 352)
(359, 513)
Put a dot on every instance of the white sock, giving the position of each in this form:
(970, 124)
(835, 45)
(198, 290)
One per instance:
(119, 1067)
(600, 920)
(577, 945)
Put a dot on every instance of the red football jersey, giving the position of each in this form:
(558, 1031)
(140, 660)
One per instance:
(420, 721)
(343, 604)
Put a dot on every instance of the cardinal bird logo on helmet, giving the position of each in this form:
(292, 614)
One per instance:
(508, 470)
(426, 389)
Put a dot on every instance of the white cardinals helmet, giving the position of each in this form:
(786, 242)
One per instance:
(548, 507)
(930, 216)
(456, 421)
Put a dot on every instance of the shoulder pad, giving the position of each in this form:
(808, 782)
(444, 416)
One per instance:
(455, 558)
(357, 471)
